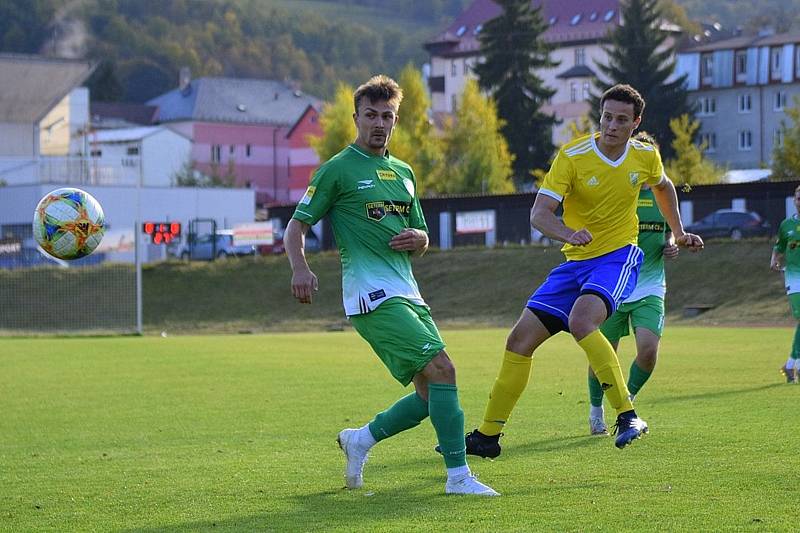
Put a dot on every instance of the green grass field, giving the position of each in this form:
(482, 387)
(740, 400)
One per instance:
(237, 433)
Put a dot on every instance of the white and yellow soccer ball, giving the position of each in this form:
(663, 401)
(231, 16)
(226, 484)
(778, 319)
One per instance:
(68, 223)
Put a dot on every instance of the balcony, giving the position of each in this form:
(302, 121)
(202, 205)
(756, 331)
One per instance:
(64, 171)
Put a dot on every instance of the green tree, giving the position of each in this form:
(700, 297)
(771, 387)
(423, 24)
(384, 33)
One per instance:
(689, 166)
(579, 128)
(639, 56)
(476, 155)
(786, 155)
(336, 121)
(513, 48)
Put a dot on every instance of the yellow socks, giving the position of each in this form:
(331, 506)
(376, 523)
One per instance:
(606, 367)
(510, 382)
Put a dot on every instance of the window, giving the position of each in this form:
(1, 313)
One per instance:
(609, 15)
(216, 153)
(777, 137)
(580, 56)
(745, 103)
(586, 94)
(453, 102)
(453, 68)
(466, 67)
(706, 106)
(706, 69)
(232, 149)
(132, 150)
(593, 16)
(573, 91)
(740, 67)
(96, 153)
(780, 101)
(710, 141)
(477, 29)
(745, 140)
(775, 63)
(248, 150)
(797, 60)
(461, 31)
(575, 20)
(552, 20)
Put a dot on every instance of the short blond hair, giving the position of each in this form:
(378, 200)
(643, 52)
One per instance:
(380, 88)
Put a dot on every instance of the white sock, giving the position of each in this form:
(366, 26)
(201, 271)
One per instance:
(790, 364)
(365, 438)
(458, 472)
(596, 412)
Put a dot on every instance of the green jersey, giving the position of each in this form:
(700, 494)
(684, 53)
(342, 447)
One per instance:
(370, 199)
(652, 237)
(788, 244)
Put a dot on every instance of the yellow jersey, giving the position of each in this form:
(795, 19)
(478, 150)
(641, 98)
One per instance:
(599, 194)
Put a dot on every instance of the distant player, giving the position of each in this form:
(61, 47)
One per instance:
(597, 178)
(370, 197)
(643, 310)
(786, 256)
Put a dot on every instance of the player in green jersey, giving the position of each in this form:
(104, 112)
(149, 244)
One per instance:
(643, 310)
(371, 201)
(786, 257)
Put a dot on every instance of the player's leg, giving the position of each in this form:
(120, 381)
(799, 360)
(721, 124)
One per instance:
(791, 368)
(405, 346)
(605, 282)
(647, 318)
(614, 328)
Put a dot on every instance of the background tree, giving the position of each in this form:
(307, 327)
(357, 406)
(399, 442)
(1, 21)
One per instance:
(512, 48)
(786, 155)
(336, 121)
(689, 166)
(579, 128)
(640, 56)
(476, 155)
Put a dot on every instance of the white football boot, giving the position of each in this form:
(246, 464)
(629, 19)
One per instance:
(469, 484)
(356, 456)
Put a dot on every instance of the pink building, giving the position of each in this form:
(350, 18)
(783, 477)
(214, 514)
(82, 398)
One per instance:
(254, 130)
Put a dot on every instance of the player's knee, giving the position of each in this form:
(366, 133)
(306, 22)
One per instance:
(580, 327)
(647, 357)
(440, 370)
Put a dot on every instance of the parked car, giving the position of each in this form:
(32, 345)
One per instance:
(730, 223)
(204, 247)
(313, 244)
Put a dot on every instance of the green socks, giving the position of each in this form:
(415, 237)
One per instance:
(796, 343)
(405, 414)
(637, 378)
(595, 391)
(448, 421)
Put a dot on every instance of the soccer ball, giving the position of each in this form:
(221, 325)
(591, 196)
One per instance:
(68, 223)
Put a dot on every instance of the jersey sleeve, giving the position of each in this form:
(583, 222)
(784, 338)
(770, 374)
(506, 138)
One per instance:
(319, 197)
(657, 170)
(558, 181)
(416, 218)
(782, 241)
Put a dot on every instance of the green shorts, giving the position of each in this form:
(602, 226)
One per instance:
(402, 334)
(646, 313)
(794, 303)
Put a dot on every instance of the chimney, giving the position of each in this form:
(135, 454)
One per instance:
(185, 80)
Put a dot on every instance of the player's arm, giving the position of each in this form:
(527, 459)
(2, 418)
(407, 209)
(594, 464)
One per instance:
(412, 240)
(776, 261)
(543, 218)
(304, 281)
(667, 201)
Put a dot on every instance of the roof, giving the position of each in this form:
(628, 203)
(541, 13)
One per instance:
(569, 20)
(233, 100)
(32, 85)
(127, 134)
(121, 112)
(746, 41)
(576, 71)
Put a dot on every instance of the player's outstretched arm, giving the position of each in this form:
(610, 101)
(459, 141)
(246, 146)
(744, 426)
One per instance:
(543, 218)
(304, 281)
(667, 201)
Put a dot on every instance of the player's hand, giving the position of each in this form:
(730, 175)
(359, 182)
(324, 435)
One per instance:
(671, 250)
(581, 237)
(776, 265)
(409, 240)
(304, 285)
(691, 241)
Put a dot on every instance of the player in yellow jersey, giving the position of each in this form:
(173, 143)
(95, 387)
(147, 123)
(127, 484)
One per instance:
(597, 179)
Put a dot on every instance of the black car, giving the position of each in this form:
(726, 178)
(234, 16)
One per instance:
(730, 223)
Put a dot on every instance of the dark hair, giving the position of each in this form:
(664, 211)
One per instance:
(646, 137)
(380, 88)
(624, 93)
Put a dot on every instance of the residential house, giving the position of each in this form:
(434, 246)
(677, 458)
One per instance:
(254, 131)
(107, 115)
(43, 113)
(742, 87)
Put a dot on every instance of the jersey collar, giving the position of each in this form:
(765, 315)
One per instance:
(361, 152)
(620, 159)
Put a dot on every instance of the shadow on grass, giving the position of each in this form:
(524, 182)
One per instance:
(718, 394)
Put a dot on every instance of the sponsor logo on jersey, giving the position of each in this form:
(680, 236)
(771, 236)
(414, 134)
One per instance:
(634, 176)
(593, 181)
(377, 295)
(645, 202)
(386, 175)
(306, 199)
(378, 210)
(652, 227)
(366, 184)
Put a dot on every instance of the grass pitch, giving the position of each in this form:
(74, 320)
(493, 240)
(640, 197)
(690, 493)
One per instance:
(237, 433)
